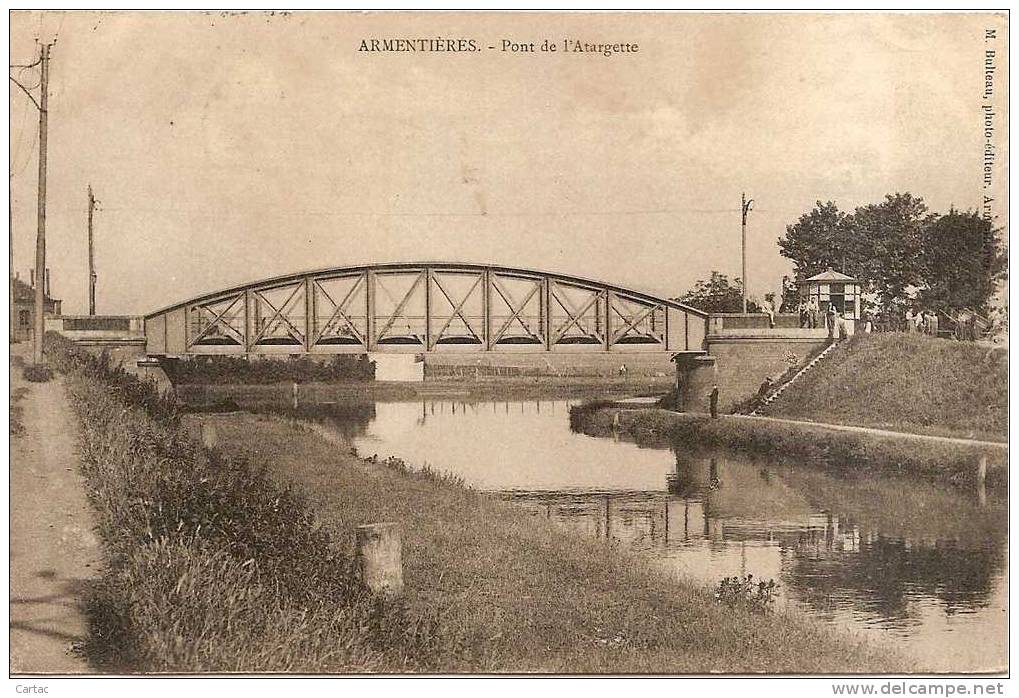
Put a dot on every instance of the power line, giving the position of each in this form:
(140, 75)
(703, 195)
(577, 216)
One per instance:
(31, 87)
(25, 90)
(18, 139)
(436, 214)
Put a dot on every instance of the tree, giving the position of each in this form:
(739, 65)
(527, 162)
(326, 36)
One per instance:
(790, 296)
(877, 243)
(886, 241)
(718, 295)
(962, 260)
(818, 240)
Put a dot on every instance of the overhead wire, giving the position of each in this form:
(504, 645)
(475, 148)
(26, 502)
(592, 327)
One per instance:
(19, 140)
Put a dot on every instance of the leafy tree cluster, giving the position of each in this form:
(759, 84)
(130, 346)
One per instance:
(719, 295)
(899, 247)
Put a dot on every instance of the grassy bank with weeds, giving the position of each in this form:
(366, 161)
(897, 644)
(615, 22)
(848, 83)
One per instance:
(514, 594)
(822, 447)
(906, 382)
(211, 565)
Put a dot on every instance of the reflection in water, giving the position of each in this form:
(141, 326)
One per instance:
(886, 557)
(722, 515)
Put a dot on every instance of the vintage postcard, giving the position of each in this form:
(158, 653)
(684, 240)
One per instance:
(503, 343)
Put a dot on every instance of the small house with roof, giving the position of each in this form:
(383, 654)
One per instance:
(834, 288)
(23, 310)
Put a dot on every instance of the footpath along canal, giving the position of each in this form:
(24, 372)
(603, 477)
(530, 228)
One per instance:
(891, 558)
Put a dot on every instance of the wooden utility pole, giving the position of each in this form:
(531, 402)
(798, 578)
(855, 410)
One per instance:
(746, 209)
(40, 240)
(10, 249)
(91, 256)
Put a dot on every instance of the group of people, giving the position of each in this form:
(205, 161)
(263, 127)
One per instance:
(810, 317)
(809, 313)
(922, 321)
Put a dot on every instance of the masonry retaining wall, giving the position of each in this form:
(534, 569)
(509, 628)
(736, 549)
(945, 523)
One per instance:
(744, 362)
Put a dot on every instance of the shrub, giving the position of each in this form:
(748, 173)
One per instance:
(17, 428)
(301, 369)
(744, 592)
(37, 373)
(132, 390)
(585, 411)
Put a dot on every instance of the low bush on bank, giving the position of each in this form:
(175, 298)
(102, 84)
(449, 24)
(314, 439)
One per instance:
(211, 566)
(586, 411)
(17, 427)
(341, 368)
(743, 591)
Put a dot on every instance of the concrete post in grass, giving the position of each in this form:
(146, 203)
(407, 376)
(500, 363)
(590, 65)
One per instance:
(209, 437)
(380, 557)
(982, 479)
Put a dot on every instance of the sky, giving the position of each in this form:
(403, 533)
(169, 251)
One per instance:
(226, 148)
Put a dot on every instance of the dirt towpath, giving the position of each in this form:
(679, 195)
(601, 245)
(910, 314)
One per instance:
(909, 436)
(53, 550)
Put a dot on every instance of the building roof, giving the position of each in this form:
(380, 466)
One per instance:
(24, 292)
(830, 275)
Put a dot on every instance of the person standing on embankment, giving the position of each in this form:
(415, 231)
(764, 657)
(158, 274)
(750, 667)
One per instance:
(812, 311)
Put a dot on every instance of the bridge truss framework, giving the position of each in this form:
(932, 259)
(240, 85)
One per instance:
(423, 307)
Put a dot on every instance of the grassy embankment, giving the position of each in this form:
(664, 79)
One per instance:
(520, 593)
(896, 382)
(820, 446)
(906, 382)
(214, 566)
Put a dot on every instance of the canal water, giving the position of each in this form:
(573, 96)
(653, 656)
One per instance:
(902, 560)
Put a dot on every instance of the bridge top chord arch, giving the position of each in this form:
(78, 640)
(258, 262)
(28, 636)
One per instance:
(423, 307)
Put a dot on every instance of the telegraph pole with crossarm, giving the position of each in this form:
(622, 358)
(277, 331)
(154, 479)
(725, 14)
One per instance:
(40, 239)
(747, 203)
(91, 255)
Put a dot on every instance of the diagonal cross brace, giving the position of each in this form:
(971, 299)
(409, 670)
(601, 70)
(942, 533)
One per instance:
(338, 310)
(575, 316)
(217, 318)
(632, 321)
(400, 306)
(279, 315)
(515, 309)
(457, 310)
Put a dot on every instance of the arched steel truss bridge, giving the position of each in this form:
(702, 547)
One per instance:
(423, 307)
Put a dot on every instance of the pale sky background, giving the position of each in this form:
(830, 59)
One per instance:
(232, 148)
